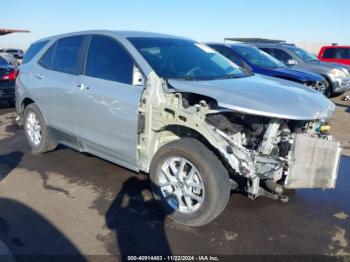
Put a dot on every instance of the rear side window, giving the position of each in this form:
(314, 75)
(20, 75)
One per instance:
(337, 53)
(33, 50)
(66, 55)
(108, 60)
(63, 56)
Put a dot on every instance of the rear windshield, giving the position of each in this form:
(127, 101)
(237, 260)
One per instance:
(3, 62)
(33, 50)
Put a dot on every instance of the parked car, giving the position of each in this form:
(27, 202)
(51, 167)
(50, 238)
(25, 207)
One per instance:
(10, 59)
(337, 75)
(335, 54)
(180, 111)
(8, 76)
(17, 53)
(253, 59)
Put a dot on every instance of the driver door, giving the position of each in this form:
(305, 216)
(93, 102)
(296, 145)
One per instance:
(107, 103)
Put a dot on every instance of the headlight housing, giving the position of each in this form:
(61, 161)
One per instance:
(337, 73)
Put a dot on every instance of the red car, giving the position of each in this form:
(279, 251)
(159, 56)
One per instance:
(335, 54)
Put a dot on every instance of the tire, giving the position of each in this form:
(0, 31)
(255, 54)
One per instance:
(211, 176)
(45, 143)
(329, 89)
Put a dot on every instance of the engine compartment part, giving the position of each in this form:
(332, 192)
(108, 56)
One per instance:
(314, 163)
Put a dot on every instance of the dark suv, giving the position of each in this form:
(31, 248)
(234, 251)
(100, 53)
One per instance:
(251, 58)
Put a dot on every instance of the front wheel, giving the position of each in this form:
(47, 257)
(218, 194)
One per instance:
(189, 182)
(328, 91)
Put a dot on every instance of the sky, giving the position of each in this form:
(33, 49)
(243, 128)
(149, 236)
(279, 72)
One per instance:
(205, 20)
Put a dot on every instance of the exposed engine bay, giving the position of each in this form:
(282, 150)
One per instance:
(274, 148)
(263, 154)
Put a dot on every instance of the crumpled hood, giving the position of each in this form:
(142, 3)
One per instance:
(262, 95)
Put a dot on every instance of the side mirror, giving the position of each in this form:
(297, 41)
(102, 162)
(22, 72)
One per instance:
(137, 79)
(291, 62)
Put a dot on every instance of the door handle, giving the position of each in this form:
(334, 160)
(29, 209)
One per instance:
(83, 87)
(39, 76)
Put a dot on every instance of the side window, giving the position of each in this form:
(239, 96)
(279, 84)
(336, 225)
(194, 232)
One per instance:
(281, 55)
(267, 50)
(66, 55)
(46, 60)
(329, 53)
(343, 53)
(107, 60)
(33, 50)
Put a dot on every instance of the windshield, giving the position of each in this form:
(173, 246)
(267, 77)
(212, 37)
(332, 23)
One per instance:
(185, 59)
(258, 57)
(302, 54)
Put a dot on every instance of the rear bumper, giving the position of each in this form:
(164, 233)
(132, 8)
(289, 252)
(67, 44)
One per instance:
(7, 91)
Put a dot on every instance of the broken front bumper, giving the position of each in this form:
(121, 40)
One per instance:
(314, 164)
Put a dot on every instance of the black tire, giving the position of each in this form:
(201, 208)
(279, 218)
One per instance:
(329, 89)
(214, 176)
(46, 144)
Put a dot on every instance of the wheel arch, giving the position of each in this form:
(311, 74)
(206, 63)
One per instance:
(173, 132)
(25, 102)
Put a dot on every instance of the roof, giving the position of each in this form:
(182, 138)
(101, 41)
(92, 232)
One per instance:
(10, 31)
(336, 46)
(229, 45)
(255, 40)
(119, 34)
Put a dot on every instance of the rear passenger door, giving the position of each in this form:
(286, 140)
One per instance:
(107, 103)
(53, 81)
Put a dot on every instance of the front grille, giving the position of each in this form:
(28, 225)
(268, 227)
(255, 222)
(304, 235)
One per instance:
(315, 163)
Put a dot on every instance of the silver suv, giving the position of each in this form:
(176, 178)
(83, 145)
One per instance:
(178, 110)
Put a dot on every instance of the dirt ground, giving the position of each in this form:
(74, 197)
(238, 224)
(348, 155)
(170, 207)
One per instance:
(65, 202)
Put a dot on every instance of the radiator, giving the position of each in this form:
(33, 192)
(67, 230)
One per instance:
(314, 164)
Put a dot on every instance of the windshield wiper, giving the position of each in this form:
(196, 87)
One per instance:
(190, 78)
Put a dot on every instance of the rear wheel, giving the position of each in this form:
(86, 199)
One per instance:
(189, 182)
(36, 130)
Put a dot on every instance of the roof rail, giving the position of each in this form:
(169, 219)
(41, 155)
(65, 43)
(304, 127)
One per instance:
(256, 40)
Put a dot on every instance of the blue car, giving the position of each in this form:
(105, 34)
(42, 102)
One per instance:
(253, 59)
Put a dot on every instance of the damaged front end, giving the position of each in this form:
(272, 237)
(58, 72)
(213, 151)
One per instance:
(266, 144)
(274, 154)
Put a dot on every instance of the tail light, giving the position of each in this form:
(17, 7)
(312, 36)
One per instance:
(10, 76)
